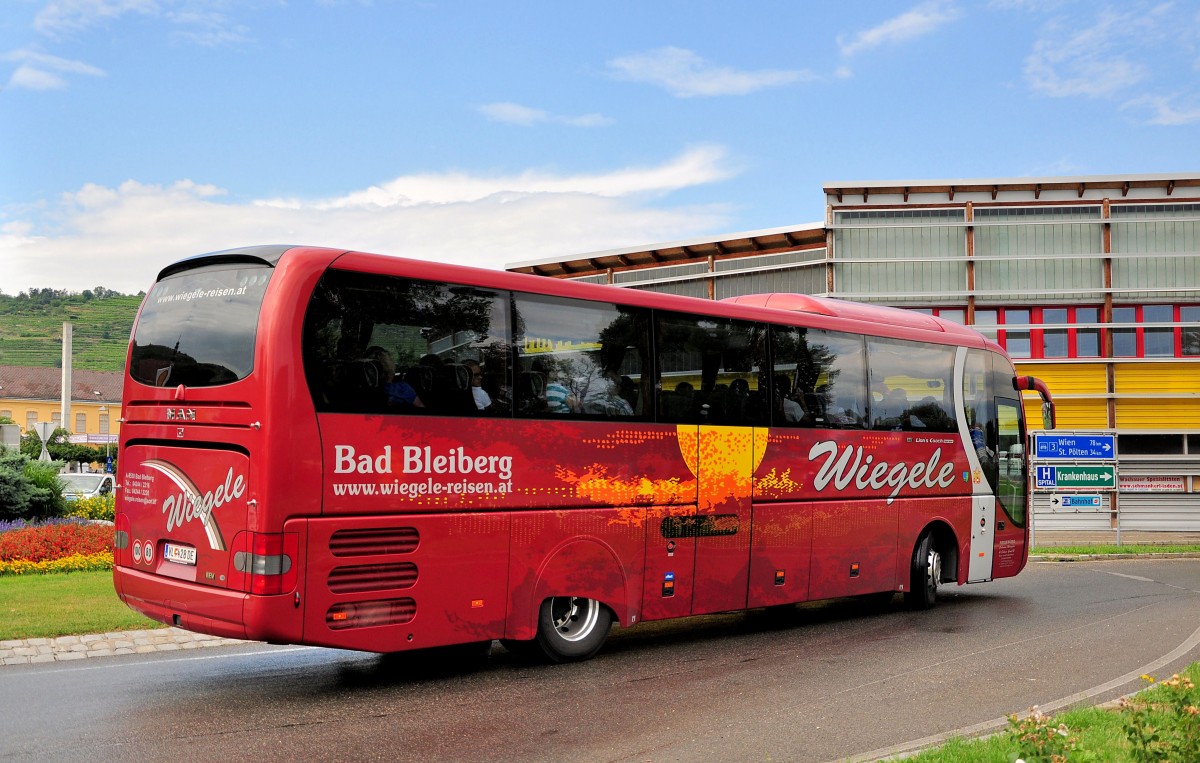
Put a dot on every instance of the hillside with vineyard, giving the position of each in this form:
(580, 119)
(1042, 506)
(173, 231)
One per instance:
(31, 327)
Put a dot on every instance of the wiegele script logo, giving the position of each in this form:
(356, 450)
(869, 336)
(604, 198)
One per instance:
(852, 467)
(194, 503)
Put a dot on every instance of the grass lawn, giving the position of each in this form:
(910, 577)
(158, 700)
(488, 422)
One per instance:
(44, 606)
(1098, 734)
(1094, 728)
(1106, 550)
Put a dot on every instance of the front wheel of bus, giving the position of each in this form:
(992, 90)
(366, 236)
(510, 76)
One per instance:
(925, 575)
(571, 628)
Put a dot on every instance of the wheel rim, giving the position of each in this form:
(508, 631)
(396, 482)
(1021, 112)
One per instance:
(573, 618)
(933, 572)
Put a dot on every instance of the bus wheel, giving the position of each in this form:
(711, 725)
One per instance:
(925, 575)
(572, 628)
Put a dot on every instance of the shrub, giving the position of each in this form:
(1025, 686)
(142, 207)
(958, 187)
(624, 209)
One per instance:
(1040, 741)
(48, 497)
(14, 485)
(54, 541)
(93, 507)
(1164, 724)
(28, 488)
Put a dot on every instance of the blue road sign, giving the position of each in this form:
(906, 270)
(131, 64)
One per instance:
(1078, 501)
(1045, 476)
(1075, 446)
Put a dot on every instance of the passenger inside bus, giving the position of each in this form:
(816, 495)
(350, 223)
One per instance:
(601, 394)
(482, 399)
(891, 409)
(678, 405)
(558, 397)
(397, 392)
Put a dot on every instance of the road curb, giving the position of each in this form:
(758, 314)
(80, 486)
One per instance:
(1052, 557)
(68, 648)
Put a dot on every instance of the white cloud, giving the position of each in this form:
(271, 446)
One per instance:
(200, 22)
(66, 16)
(686, 75)
(40, 71)
(697, 166)
(1094, 61)
(1162, 111)
(208, 29)
(921, 20)
(29, 78)
(516, 114)
(130, 232)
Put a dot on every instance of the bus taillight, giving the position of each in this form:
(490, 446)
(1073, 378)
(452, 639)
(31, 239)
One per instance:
(121, 539)
(265, 563)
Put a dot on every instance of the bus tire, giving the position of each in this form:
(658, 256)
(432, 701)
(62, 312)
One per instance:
(926, 572)
(572, 628)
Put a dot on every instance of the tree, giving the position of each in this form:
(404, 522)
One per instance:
(62, 449)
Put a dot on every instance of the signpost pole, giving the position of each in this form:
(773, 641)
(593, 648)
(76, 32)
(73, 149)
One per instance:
(1118, 510)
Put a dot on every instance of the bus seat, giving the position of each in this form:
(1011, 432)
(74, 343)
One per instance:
(419, 378)
(531, 391)
(356, 385)
(449, 389)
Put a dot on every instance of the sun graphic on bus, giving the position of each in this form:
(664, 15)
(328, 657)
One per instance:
(721, 462)
(723, 459)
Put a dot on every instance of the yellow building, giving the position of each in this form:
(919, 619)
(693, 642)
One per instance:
(30, 394)
(1090, 283)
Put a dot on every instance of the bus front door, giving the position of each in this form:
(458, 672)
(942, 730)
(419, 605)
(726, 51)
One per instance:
(1011, 511)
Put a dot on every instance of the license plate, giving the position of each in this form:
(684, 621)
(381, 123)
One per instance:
(179, 554)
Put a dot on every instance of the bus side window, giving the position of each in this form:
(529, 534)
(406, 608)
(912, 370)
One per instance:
(819, 379)
(384, 344)
(910, 385)
(710, 370)
(577, 358)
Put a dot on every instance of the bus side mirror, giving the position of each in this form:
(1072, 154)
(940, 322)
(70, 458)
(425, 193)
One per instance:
(1048, 419)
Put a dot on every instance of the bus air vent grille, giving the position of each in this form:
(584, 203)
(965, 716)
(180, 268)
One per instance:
(372, 577)
(374, 541)
(366, 614)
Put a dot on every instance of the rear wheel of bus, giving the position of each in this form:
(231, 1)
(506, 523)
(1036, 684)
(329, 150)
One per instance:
(570, 629)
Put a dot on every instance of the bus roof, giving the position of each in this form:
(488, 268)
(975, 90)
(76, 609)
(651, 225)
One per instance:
(784, 308)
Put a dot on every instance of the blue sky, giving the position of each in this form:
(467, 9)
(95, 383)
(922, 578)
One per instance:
(137, 132)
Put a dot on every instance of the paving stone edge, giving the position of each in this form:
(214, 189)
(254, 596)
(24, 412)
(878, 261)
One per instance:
(66, 648)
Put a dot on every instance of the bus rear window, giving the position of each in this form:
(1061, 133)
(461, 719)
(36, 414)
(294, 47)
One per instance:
(197, 328)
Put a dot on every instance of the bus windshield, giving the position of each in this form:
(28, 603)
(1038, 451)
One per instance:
(197, 328)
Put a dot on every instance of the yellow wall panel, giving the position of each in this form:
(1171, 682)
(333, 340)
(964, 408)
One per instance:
(1157, 377)
(1074, 379)
(1158, 414)
(1071, 414)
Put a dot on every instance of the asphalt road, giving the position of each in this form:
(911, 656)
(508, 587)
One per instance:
(823, 682)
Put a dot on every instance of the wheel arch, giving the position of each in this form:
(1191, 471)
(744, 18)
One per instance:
(945, 542)
(584, 567)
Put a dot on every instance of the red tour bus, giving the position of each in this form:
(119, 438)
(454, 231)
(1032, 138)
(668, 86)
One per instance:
(350, 450)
